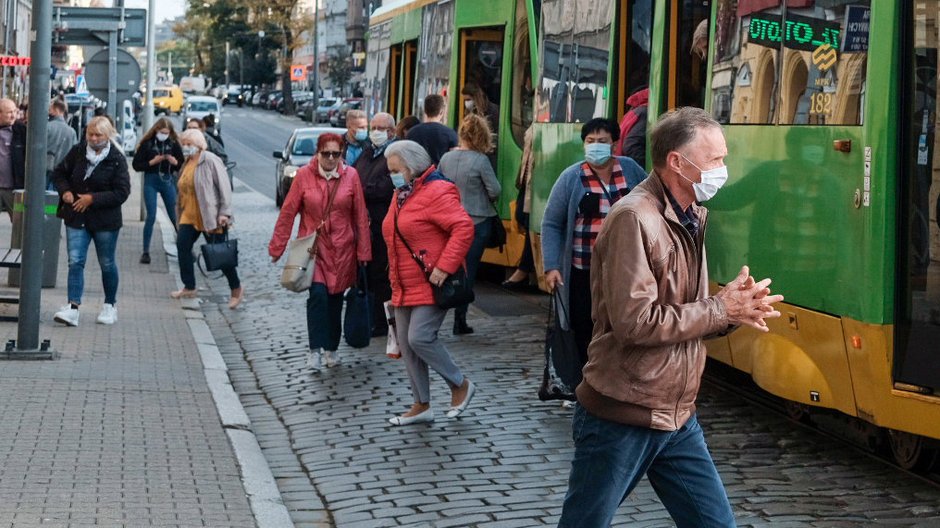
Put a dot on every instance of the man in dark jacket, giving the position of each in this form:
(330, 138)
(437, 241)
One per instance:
(12, 154)
(377, 189)
(649, 286)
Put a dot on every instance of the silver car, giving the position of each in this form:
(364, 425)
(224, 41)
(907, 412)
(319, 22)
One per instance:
(199, 106)
(300, 148)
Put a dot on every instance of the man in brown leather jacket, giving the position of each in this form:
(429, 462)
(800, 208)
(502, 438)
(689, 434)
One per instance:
(651, 309)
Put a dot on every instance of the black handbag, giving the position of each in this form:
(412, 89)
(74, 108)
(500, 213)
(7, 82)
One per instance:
(497, 237)
(221, 255)
(454, 292)
(562, 372)
(357, 321)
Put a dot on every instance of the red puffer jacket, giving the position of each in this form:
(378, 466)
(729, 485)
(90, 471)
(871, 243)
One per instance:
(344, 239)
(436, 227)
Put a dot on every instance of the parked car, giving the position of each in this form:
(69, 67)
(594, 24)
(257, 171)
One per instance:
(167, 100)
(301, 146)
(199, 106)
(338, 119)
(259, 98)
(298, 97)
(323, 109)
(274, 100)
(129, 130)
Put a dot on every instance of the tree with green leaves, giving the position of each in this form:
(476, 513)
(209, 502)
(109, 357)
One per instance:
(285, 22)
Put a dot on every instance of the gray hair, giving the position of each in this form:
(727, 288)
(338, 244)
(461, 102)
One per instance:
(676, 129)
(196, 137)
(355, 114)
(411, 154)
(388, 118)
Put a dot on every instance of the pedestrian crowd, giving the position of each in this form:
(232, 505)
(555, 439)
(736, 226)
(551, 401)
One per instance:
(405, 211)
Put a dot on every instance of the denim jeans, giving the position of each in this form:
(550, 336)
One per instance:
(77, 241)
(185, 240)
(611, 458)
(481, 233)
(165, 186)
(324, 321)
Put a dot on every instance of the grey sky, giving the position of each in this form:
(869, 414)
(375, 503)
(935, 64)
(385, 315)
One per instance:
(165, 8)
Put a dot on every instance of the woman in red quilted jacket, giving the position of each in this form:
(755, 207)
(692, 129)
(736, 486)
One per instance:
(427, 214)
(343, 240)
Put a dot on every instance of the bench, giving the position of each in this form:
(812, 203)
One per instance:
(10, 258)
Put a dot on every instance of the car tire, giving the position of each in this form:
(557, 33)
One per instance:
(278, 200)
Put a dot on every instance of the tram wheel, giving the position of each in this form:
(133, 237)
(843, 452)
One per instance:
(797, 412)
(911, 451)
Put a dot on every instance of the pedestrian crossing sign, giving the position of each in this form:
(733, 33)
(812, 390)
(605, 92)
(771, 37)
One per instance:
(81, 87)
(298, 72)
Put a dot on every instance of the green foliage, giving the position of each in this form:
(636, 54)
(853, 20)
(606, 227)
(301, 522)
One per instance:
(340, 68)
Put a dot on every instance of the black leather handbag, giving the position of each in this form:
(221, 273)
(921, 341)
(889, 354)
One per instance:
(221, 255)
(497, 238)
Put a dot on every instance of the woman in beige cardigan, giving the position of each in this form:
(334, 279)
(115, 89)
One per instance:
(204, 208)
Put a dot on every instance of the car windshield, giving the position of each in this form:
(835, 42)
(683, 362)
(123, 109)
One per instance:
(305, 146)
(161, 93)
(203, 106)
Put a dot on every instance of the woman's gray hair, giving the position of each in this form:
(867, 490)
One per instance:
(413, 155)
(196, 137)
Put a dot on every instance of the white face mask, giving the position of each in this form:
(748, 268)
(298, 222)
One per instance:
(162, 137)
(189, 150)
(468, 104)
(378, 137)
(712, 180)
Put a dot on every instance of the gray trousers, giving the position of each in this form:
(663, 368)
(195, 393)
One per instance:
(417, 328)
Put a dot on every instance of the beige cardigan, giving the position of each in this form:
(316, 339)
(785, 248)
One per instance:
(213, 190)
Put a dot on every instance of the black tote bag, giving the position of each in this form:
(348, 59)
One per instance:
(221, 255)
(357, 321)
(562, 372)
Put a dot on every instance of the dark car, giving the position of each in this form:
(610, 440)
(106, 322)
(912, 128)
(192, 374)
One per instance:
(301, 146)
(338, 119)
(323, 110)
(234, 96)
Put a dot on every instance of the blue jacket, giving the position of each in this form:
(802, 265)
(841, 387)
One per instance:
(560, 213)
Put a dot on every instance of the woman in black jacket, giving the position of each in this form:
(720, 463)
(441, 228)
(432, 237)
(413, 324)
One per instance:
(92, 182)
(159, 156)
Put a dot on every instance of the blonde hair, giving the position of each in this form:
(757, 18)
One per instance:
(475, 134)
(103, 126)
(196, 137)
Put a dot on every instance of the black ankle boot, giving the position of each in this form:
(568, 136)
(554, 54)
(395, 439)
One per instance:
(460, 324)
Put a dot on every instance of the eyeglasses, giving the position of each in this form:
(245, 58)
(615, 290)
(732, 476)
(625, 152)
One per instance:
(335, 154)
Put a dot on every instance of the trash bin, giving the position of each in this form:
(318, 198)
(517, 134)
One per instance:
(51, 235)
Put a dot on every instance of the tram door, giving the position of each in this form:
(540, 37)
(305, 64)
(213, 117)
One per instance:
(394, 83)
(481, 68)
(917, 353)
(687, 64)
(409, 70)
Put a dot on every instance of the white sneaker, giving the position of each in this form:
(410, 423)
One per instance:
(332, 358)
(315, 360)
(108, 314)
(67, 315)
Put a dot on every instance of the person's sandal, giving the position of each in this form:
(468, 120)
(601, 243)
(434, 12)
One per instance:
(183, 294)
(235, 300)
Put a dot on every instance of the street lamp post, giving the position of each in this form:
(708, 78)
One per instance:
(316, 53)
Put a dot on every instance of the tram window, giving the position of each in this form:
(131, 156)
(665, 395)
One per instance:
(435, 52)
(689, 76)
(575, 41)
(522, 94)
(635, 39)
(377, 69)
(832, 45)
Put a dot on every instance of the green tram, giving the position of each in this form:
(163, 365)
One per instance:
(834, 189)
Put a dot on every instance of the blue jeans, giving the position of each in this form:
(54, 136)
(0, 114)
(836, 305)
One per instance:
(77, 241)
(165, 186)
(481, 233)
(611, 458)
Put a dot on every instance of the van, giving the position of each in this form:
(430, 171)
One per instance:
(167, 100)
(193, 85)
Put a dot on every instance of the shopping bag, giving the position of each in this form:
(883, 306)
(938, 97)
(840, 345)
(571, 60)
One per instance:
(391, 346)
(221, 255)
(562, 372)
(357, 321)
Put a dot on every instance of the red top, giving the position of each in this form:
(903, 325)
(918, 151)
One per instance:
(344, 239)
(435, 226)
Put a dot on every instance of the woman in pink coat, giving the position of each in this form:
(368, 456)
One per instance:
(427, 214)
(343, 240)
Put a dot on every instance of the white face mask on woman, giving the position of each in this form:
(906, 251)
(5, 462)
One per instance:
(712, 181)
(189, 150)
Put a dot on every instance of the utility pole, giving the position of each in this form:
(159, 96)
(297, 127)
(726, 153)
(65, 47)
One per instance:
(151, 67)
(7, 29)
(316, 54)
(27, 335)
(226, 65)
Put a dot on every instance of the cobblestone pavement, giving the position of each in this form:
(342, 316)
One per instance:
(121, 430)
(505, 461)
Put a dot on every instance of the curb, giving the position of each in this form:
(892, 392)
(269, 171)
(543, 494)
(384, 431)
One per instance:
(261, 489)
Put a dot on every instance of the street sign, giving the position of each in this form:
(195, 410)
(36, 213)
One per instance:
(298, 72)
(128, 75)
(88, 26)
(81, 87)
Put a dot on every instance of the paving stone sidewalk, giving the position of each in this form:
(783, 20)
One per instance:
(121, 430)
(505, 462)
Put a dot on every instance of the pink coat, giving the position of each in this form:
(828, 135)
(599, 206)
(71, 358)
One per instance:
(435, 224)
(344, 239)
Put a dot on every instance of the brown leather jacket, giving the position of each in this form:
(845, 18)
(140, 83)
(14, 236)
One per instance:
(651, 310)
